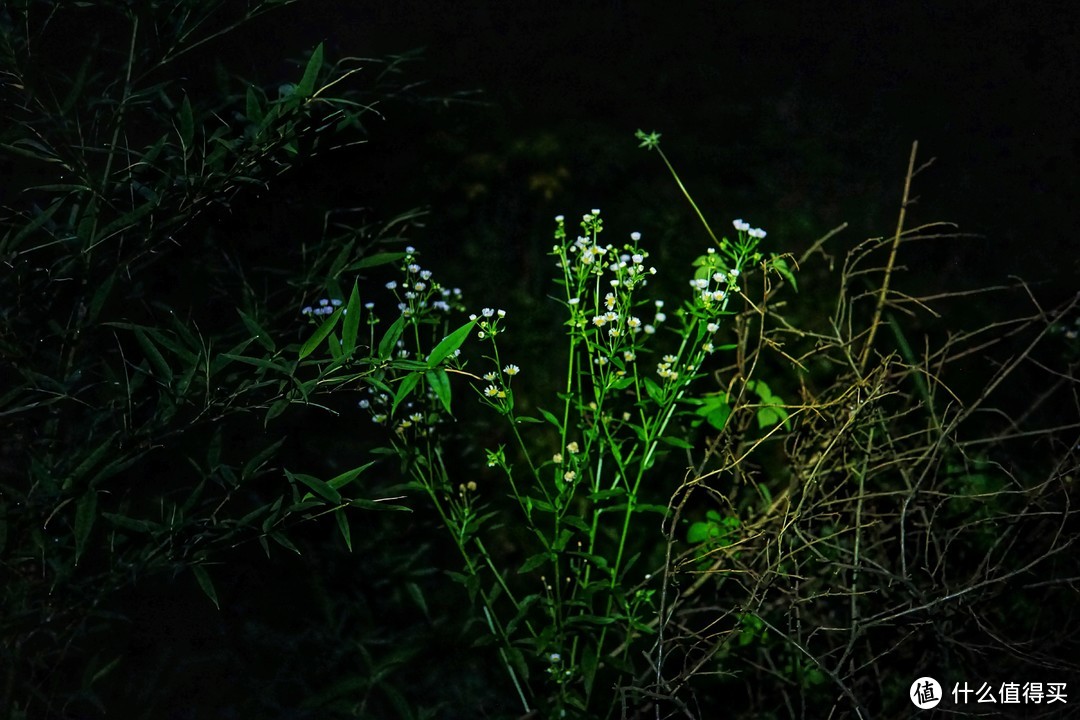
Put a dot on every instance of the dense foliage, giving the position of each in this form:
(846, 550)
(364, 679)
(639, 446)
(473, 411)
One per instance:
(784, 481)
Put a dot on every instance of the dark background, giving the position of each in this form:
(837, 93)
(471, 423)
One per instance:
(798, 115)
(795, 117)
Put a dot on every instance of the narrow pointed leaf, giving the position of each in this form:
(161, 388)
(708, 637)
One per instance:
(307, 83)
(351, 324)
(325, 329)
(85, 514)
(206, 584)
(343, 526)
(450, 343)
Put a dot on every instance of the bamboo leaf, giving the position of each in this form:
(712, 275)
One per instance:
(85, 514)
(252, 109)
(351, 325)
(154, 356)
(258, 333)
(187, 126)
(319, 487)
(325, 329)
(343, 526)
(255, 463)
(389, 340)
(207, 585)
(377, 259)
(348, 476)
(307, 83)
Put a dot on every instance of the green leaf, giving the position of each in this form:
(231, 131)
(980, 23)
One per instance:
(253, 110)
(389, 340)
(257, 332)
(351, 325)
(439, 382)
(100, 295)
(780, 265)
(154, 356)
(534, 562)
(408, 384)
(654, 391)
(255, 463)
(187, 126)
(551, 419)
(417, 596)
(343, 526)
(677, 442)
(325, 329)
(348, 476)
(320, 488)
(377, 259)
(767, 417)
(449, 344)
(127, 523)
(206, 584)
(85, 514)
(307, 83)
(699, 532)
(589, 662)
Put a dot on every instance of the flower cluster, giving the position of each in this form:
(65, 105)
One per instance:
(744, 227)
(325, 306)
(488, 321)
(497, 387)
(418, 294)
(417, 419)
(666, 369)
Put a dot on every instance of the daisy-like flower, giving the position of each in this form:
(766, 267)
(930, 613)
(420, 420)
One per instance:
(420, 286)
(491, 391)
(416, 417)
(707, 347)
(391, 285)
(569, 476)
(609, 300)
(633, 322)
(670, 358)
(573, 448)
(628, 355)
(712, 327)
(490, 376)
(307, 311)
(756, 233)
(599, 321)
(718, 295)
(511, 370)
(740, 225)
(425, 274)
(335, 302)
(414, 268)
(487, 312)
(557, 458)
